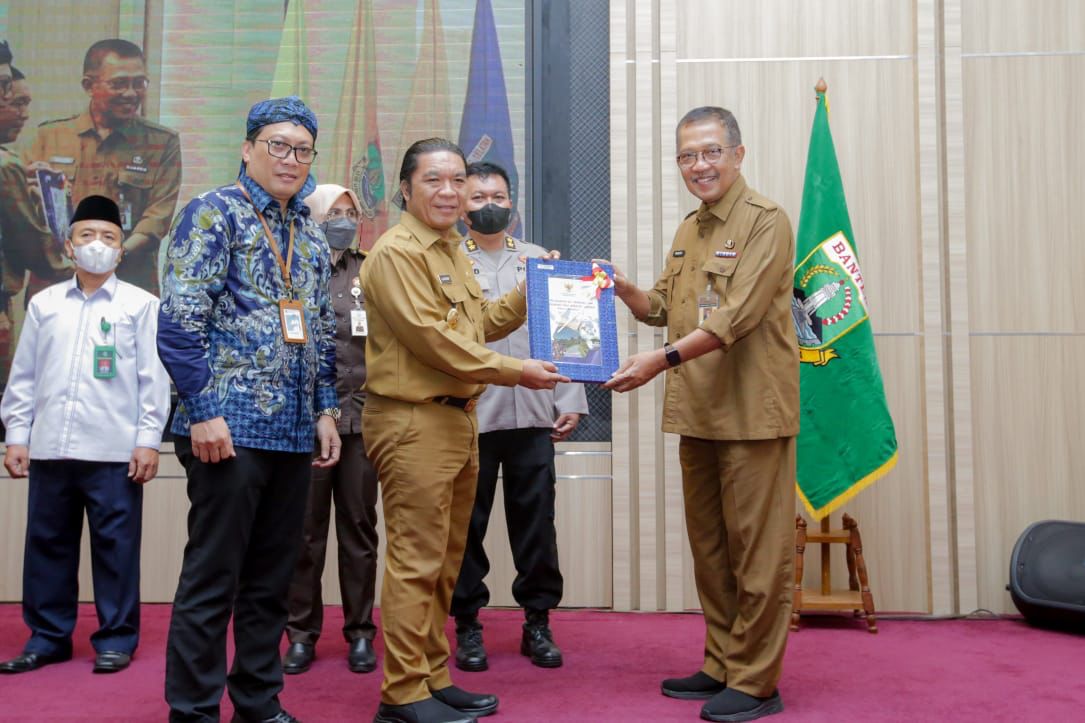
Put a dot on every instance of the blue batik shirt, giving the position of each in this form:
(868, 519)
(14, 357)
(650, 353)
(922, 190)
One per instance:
(219, 332)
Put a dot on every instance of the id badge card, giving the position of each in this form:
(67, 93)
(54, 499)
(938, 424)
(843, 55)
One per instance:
(105, 362)
(359, 323)
(707, 302)
(292, 316)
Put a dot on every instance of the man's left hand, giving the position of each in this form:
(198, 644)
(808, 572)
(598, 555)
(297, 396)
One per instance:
(638, 370)
(330, 444)
(143, 466)
(564, 426)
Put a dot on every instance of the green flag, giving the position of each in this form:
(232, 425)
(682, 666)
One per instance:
(846, 439)
(292, 66)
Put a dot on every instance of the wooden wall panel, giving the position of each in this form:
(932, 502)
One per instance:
(1014, 26)
(1025, 191)
(1029, 399)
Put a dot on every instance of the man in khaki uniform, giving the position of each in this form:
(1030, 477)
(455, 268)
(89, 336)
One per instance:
(427, 364)
(24, 239)
(111, 150)
(732, 393)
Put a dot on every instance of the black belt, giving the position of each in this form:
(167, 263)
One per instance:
(467, 404)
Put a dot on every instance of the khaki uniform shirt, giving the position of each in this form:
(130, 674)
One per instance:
(138, 166)
(516, 407)
(25, 240)
(349, 349)
(742, 246)
(428, 319)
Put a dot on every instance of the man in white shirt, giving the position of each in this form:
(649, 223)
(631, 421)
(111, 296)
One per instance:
(84, 410)
(517, 431)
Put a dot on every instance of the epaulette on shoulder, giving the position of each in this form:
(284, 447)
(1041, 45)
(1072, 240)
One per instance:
(756, 199)
(151, 125)
(54, 121)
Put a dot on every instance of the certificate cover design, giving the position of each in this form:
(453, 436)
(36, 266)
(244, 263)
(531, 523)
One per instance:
(571, 317)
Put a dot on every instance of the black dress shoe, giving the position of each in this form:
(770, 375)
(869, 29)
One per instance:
(429, 710)
(31, 661)
(362, 658)
(699, 686)
(110, 661)
(733, 705)
(281, 717)
(298, 658)
(476, 704)
(470, 652)
(537, 642)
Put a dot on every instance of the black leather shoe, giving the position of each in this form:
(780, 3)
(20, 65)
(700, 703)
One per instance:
(537, 642)
(31, 661)
(429, 710)
(281, 717)
(362, 658)
(110, 661)
(470, 652)
(475, 704)
(734, 705)
(298, 658)
(699, 686)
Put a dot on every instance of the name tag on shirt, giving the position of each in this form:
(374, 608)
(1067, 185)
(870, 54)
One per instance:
(483, 281)
(105, 362)
(359, 323)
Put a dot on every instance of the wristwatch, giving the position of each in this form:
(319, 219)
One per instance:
(673, 357)
(332, 412)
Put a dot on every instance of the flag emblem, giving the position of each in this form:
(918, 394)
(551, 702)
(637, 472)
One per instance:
(829, 299)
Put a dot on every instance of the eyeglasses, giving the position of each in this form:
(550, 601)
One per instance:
(7, 86)
(279, 149)
(138, 83)
(350, 214)
(710, 155)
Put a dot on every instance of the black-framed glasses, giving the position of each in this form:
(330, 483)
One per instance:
(7, 86)
(350, 214)
(281, 149)
(712, 154)
(137, 83)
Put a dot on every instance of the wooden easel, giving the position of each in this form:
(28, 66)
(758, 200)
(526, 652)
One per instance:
(857, 597)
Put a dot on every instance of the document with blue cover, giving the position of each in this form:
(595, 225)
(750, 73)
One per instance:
(571, 317)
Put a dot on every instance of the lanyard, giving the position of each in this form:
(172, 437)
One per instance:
(284, 266)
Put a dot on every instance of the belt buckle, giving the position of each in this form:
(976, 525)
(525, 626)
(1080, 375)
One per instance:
(470, 406)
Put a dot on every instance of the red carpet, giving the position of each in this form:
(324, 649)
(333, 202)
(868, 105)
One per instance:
(835, 671)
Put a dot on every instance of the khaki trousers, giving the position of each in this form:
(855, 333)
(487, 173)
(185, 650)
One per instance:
(426, 457)
(740, 515)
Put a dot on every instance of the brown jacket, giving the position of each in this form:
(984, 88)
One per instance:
(138, 166)
(743, 246)
(429, 321)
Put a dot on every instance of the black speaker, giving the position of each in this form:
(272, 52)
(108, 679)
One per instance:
(1047, 574)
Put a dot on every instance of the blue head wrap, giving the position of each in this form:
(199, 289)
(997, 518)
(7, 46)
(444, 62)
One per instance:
(279, 110)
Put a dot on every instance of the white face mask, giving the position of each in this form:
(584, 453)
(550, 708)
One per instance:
(96, 257)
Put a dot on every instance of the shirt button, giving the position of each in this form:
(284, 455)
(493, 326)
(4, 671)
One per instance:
(340, 295)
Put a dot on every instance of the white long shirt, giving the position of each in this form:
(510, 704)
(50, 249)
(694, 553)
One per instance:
(53, 401)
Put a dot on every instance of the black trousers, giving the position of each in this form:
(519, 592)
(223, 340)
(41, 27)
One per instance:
(244, 527)
(526, 460)
(59, 492)
(353, 484)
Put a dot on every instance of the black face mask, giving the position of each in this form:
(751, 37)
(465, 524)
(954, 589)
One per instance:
(489, 219)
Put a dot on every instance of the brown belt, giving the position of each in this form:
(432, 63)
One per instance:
(467, 404)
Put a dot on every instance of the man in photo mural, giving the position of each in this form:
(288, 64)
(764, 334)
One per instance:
(111, 150)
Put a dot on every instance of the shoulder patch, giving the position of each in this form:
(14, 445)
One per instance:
(756, 199)
(54, 121)
(151, 125)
